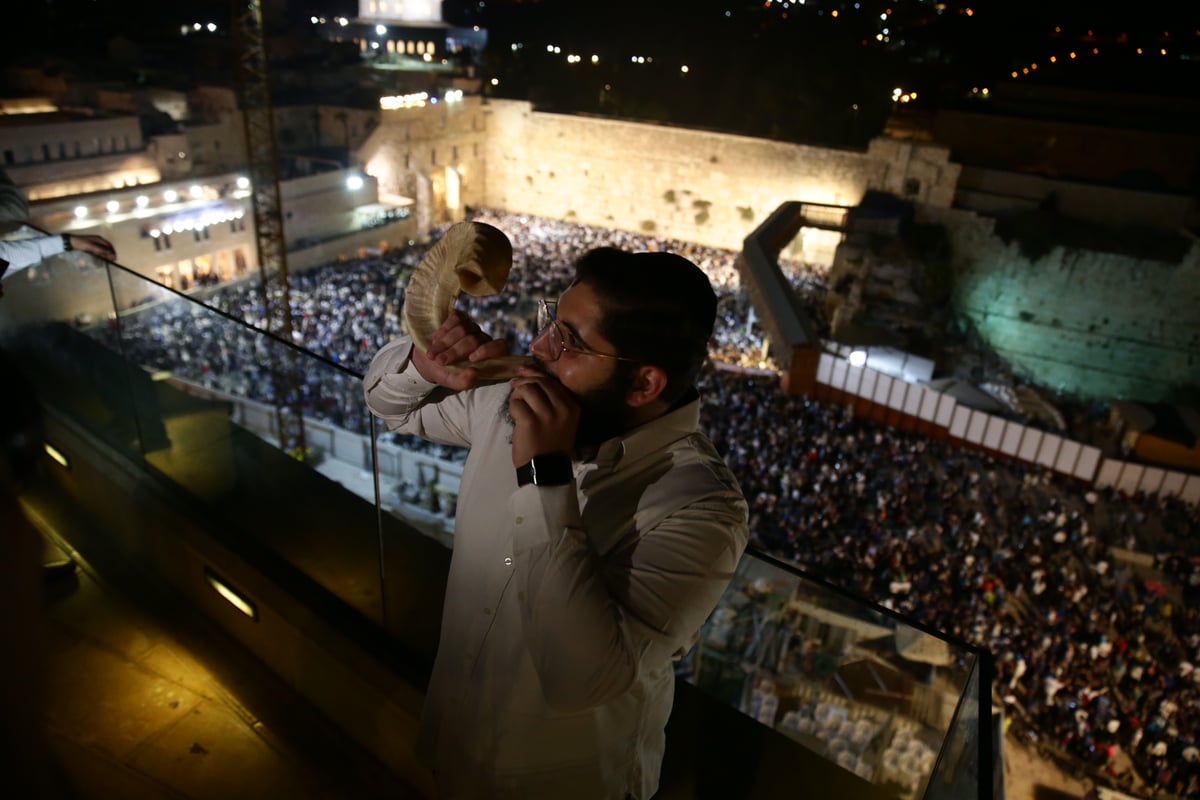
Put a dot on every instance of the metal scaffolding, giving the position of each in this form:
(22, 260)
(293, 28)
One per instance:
(263, 160)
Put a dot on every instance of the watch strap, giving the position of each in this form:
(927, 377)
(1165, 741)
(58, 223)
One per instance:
(549, 469)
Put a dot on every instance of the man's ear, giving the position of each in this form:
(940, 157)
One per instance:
(645, 386)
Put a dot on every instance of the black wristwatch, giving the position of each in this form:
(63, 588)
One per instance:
(550, 469)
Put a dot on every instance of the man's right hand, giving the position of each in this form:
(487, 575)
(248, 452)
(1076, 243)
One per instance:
(457, 343)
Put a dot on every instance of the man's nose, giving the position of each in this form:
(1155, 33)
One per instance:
(540, 346)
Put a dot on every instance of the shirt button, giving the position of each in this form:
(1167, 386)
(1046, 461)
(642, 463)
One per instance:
(487, 612)
(507, 561)
(519, 520)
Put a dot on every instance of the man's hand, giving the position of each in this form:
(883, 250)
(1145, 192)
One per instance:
(457, 343)
(96, 245)
(545, 416)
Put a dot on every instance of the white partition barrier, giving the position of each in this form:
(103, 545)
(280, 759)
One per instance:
(395, 463)
(1014, 434)
(1088, 463)
(1010, 438)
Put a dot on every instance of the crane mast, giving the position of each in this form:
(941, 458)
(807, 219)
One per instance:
(263, 161)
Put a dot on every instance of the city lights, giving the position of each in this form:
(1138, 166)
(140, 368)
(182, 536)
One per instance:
(170, 195)
(354, 182)
(112, 206)
(142, 201)
(81, 212)
(243, 182)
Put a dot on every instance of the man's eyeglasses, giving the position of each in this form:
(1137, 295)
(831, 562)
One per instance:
(559, 339)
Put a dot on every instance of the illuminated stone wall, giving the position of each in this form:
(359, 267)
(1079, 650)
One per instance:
(1096, 324)
(433, 154)
(686, 184)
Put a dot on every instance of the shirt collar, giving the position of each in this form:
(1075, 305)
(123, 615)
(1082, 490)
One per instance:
(654, 435)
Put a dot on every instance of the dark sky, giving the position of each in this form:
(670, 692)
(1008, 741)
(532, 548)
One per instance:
(755, 66)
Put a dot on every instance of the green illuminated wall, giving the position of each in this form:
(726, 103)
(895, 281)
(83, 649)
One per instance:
(1095, 324)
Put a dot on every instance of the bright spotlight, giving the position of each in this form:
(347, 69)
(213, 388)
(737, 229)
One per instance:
(113, 206)
(81, 211)
(858, 358)
(354, 182)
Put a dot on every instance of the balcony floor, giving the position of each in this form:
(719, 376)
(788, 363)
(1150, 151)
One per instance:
(146, 699)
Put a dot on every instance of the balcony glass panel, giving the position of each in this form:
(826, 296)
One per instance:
(367, 515)
(842, 677)
(192, 394)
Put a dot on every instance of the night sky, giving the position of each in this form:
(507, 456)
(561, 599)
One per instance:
(822, 71)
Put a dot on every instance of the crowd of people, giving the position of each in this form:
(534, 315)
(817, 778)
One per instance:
(1098, 655)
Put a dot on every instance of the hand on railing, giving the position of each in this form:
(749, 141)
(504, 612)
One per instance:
(96, 245)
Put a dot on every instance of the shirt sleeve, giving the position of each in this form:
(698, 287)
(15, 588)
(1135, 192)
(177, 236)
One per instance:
(22, 253)
(592, 624)
(397, 393)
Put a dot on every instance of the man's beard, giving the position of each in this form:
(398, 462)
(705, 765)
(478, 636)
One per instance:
(603, 413)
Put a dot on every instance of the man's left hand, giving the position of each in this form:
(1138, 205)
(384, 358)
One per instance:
(545, 416)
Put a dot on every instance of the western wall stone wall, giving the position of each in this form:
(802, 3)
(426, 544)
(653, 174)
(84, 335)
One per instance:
(1099, 325)
(693, 185)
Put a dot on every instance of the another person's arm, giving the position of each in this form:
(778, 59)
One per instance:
(22, 253)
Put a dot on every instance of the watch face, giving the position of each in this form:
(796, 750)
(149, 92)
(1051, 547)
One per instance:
(552, 469)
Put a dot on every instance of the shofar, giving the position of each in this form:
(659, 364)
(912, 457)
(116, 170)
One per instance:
(472, 257)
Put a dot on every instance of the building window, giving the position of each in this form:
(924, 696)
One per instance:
(407, 160)
(9, 158)
(454, 152)
(78, 149)
(912, 187)
(62, 149)
(433, 156)
(46, 152)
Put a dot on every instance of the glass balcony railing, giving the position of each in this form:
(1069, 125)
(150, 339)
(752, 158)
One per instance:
(189, 393)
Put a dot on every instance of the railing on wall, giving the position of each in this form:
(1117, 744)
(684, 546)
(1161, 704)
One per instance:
(916, 406)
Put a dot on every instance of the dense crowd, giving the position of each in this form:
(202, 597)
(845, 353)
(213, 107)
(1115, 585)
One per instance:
(1095, 653)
